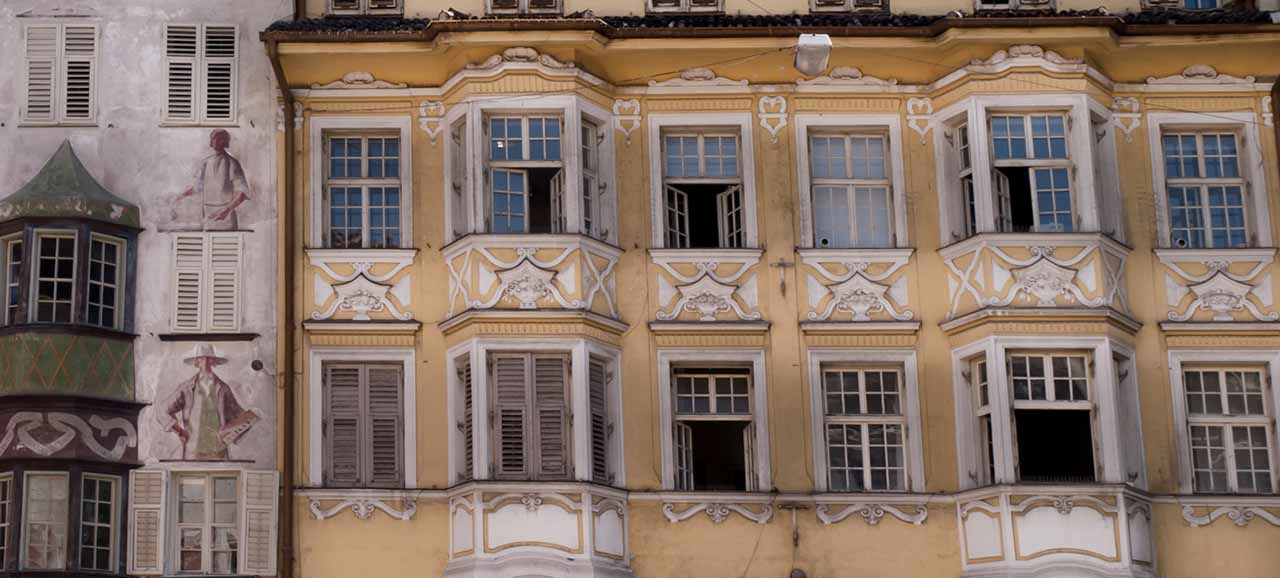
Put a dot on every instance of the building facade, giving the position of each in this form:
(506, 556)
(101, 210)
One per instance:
(621, 292)
(138, 344)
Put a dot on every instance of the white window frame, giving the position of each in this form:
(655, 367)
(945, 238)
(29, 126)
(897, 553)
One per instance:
(117, 489)
(173, 534)
(10, 281)
(1269, 360)
(364, 9)
(363, 183)
(119, 282)
(1252, 169)
(906, 362)
(976, 112)
(523, 8)
(888, 124)
(6, 521)
(711, 122)
(317, 357)
(322, 124)
(26, 529)
(579, 351)
(667, 358)
(199, 88)
(59, 80)
(849, 6)
(685, 6)
(1109, 445)
(33, 301)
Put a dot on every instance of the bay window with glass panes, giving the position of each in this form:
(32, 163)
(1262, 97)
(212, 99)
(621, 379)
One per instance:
(363, 193)
(1229, 429)
(67, 276)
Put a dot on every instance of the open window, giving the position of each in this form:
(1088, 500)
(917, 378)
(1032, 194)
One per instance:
(1052, 417)
(525, 174)
(1031, 173)
(714, 438)
(702, 181)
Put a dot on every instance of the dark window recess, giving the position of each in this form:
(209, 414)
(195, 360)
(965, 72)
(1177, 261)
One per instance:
(1054, 445)
(701, 211)
(1022, 214)
(719, 459)
(540, 214)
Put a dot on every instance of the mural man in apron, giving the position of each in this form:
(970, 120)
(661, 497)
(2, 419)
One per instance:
(220, 183)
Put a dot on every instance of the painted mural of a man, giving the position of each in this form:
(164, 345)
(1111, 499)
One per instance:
(221, 185)
(204, 413)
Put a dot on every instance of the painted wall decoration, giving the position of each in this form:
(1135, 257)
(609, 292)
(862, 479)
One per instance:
(204, 412)
(217, 189)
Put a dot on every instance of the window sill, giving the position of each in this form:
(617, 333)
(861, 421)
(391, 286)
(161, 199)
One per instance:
(58, 124)
(196, 124)
(207, 336)
(1241, 253)
(71, 328)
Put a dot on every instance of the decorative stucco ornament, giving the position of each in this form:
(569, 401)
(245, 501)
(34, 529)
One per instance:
(526, 283)
(358, 79)
(1200, 74)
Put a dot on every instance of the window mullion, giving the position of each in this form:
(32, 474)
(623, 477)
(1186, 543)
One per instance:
(866, 456)
(1228, 451)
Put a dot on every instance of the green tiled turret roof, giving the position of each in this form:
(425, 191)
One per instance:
(65, 189)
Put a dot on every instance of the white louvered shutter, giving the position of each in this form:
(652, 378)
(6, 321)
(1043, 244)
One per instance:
(598, 380)
(181, 48)
(467, 424)
(146, 522)
(258, 544)
(551, 403)
(385, 425)
(509, 376)
(218, 73)
(225, 251)
(42, 65)
(188, 282)
(342, 425)
(79, 50)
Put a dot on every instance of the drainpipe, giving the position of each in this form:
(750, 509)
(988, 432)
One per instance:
(286, 318)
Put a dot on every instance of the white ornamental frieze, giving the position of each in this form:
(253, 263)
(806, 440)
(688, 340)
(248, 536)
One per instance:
(1228, 285)
(860, 285)
(362, 283)
(708, 286)
(46, 434)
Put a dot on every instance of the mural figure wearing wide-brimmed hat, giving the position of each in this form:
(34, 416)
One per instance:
(204, 413)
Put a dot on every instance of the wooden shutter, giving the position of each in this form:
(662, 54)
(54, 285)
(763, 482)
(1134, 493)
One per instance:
(551, 403)
(188, 282)
(41, 65)
(385, 424)
(466, 425)
(258, 510)
(224, 282)
(684, 456)
(598, 380)
(218, 73)
(181, 46)
(509, 375)
(557, 203)
(146, 522)
(79, 49)
(342, 425)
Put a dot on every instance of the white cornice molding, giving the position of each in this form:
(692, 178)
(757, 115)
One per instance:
(357, 80)
(1022, 55)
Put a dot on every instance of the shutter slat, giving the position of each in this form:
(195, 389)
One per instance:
(597, 385)
(79, 47)
(509, 378)
(468, 426)
(342, 424)
(181, 47)
(258, 547)
(146, 522)
(385, 412)
(552, 405)
(224, 282)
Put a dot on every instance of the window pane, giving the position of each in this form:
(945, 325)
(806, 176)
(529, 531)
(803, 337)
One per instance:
(831, 216)
(872, 216)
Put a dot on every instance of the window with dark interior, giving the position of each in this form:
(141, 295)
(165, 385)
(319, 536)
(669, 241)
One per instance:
(1053, 417)
(702, 181)
(714, 437)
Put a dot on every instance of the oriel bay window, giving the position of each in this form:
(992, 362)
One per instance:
(526, 174)
(1052, 417)
(66, 276)
(1032, 173)
(61, 521)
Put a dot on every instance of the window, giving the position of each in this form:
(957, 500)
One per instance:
(371, 7)
(55, 277)
(847, 5)
(44, 531)
(363, 424)
(6, 509)
(61, 73)
(714, 437)
(12, 269)
(969, 200)
(986, 436)
(206, 282)
(97, 523)
(852, 195)
(599, 381)
(703, 185)
(1200, 4)
(208, 537)
(1052, 416)
(686, 6)
(363, 192)
(1031, 176)
(530, 409)
(1014, 4)
(1206, 190)
(865, 426)
(1230, 428)
(200, 73)
(105, 279)
(524, 6)
(592, 185)
(525, 174)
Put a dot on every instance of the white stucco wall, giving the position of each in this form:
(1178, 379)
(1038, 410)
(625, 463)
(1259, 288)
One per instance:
(131, 154)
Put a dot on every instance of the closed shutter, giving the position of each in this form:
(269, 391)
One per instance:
(551, 400)
(467, 425)
(598, 380)
(42, 63)
(181, 45)
(342, 425)
(508, 374)
(224, 282)
(219, 73)
(146, 522)
(705, 5)
(258, 546)
(79, 48)
(188, 281)
(385, 414)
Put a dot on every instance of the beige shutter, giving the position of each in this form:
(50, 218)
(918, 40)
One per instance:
(509, 375)
(146, 522)
(79, 49)
(188, 282)
(342, 425)
(219, 73)
(598, 380)
(544, 6)
(466, 425)
(258, 545)
(384, 420)
(551, 403)
(42, 64)
(181, 43)
(224, 282)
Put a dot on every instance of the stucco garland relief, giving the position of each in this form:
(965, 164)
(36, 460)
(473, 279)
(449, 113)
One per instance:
(1126, 115)
(1239, 515)
(1209, 285)
(23, 425)
(626, 117)
(1200, 74)
(718, 512)
(717, 285)
(363, 508)
(920, 116)
(1022, 54)
(570, 277)
(431, 118)
(357, 79)
(520, 54)
(857, 287)
(773, 115)
(872, 513)
(697, 77)
(1041, 279)
(363, 290)
(847, 76)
